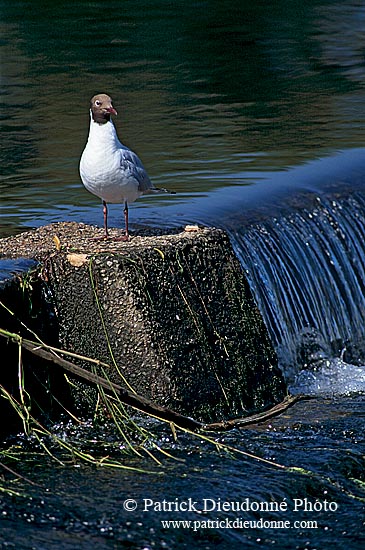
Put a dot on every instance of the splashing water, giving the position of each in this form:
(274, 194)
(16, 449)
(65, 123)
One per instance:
(307, 273)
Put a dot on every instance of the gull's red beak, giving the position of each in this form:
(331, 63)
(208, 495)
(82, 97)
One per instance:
(111, 110)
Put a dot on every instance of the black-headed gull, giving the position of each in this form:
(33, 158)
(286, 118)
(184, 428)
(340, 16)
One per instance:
(108, 169)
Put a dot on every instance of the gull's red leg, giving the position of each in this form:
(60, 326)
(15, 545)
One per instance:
(105, 212)
(126, 220)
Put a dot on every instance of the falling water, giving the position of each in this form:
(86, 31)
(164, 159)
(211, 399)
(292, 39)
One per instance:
(307, 272)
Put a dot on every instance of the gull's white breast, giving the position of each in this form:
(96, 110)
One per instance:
(110, 170)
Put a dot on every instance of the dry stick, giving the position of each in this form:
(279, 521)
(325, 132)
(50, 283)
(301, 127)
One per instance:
(257, 418)
(127, 397)
(142, 403)
(16, 474)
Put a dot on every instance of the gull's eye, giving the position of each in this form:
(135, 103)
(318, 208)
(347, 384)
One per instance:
(97, 103)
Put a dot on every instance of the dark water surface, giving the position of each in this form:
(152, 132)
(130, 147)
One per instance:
(254, 113)
(81, 507)
(211, 95)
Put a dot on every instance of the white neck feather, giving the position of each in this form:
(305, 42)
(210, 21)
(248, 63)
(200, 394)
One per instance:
(103, 135)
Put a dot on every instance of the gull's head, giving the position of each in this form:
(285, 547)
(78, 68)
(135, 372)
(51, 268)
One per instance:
(101, 107)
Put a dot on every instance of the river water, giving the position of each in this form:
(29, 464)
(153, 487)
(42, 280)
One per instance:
(253, 112)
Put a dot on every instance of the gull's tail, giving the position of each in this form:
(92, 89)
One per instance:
(157, 190)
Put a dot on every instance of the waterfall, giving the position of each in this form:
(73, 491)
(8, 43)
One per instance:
(307, 272)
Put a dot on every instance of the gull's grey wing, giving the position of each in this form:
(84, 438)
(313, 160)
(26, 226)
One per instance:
(131, 164)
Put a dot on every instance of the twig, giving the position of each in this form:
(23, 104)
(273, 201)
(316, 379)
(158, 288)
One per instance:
(258, 418)
(142, 403)
(16, 474)
(138, 402)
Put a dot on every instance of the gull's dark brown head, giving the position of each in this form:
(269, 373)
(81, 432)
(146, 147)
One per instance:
(101, 106)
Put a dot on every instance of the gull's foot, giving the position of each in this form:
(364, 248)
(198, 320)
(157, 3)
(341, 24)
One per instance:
(103, 238)
(124, 238)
